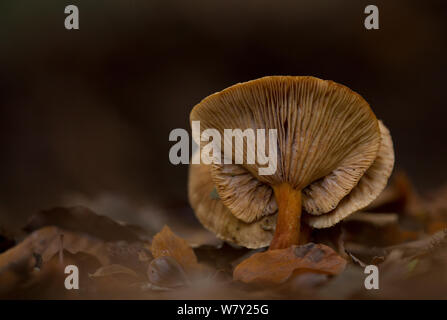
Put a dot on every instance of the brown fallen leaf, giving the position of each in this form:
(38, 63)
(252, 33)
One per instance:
(19, 264)
(277, 266)
(166, 243)
(221, 257)
(45, 243)
(80, 219)
(435, 226)
(372, 232)
(436, 202)
(421, 246)
(135, 256)
(408, 249)
(112, 270)
(333, 237)
(166, 272)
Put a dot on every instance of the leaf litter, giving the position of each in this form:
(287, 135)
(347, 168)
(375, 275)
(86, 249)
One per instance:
(402, 232)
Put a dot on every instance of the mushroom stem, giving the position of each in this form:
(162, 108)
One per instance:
(288, 223)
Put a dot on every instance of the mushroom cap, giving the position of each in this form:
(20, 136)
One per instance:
(327, 137)
(369, 187)
(217, 218)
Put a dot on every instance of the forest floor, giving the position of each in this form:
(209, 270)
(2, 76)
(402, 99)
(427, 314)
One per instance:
(403, 233)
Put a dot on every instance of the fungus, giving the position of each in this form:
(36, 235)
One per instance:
(334, 158)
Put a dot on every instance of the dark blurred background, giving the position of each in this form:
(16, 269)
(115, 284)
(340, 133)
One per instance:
(85, 115)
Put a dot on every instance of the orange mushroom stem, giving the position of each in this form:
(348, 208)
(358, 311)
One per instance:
(288, 223)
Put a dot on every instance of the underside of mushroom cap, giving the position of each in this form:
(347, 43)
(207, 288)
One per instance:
(369, 187)
(217, 218)
(327, 138)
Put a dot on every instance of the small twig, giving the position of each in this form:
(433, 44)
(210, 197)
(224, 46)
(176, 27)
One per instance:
(357, 260)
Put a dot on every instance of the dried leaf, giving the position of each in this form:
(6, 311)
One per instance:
(221, 256)
(435, 226)
(422, 246)
(166, 272)
(333, 237)
(83, 220)
(20, 263)
(276, 266)
(407, 249)
(135, 256)
(346, 285)
(387, 234)
(45, 243)
(113, 269)
(166, 243)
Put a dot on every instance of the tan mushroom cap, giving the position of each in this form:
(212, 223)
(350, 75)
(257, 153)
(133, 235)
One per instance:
(217, 218)
(369, 187)
(327, 138)
(329, 150)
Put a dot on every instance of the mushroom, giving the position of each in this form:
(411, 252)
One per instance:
(334, 158)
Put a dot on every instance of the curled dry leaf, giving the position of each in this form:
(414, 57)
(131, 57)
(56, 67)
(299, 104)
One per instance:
(20, 262)
(333, 237)
(435, 226)
(112, 270)
(166, 272)
(407, 250)
(135, 256)
(47, 242)
(80, 219)
(277, 266)
(422, 246)
(166, 243)
(221, 257)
